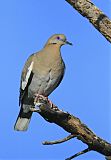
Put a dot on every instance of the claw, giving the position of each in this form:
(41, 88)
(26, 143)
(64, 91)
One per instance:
(34, 109)
(37, 96)
(50, 102)
(37, 105)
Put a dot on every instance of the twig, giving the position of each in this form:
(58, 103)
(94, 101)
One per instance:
(79, 153)
(60, 140)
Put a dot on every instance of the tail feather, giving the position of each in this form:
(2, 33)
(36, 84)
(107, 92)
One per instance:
(22, 121)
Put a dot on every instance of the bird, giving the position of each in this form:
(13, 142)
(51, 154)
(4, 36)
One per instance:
(41, 75)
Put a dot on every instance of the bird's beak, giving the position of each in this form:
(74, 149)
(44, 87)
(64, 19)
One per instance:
(69, 43)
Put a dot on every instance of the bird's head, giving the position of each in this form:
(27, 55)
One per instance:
(58, 39)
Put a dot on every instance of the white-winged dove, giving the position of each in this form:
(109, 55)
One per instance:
(42, 73)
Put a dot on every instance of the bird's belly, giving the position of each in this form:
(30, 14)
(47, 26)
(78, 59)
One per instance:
(44, 85)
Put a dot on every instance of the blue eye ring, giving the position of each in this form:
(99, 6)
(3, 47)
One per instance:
(58, 38)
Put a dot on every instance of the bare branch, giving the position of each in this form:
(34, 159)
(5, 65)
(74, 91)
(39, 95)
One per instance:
(73, 125)
(98, 19)
(78, 154)
(59, 141)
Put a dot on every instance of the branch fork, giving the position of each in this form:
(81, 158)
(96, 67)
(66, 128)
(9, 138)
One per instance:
(72, 125)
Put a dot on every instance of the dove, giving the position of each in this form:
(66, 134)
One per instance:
(41, 75)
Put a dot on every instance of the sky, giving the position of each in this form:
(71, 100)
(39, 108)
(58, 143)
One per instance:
(84, 92)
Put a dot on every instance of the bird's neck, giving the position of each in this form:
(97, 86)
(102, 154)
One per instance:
(53, 49)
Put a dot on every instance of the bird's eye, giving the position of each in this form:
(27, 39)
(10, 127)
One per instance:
(58, 38)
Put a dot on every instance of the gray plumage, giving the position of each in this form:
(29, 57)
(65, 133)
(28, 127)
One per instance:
(42, 73)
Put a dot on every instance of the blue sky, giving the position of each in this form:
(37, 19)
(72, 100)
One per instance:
(85, 90)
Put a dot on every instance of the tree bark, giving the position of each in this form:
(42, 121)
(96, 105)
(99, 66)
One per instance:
(98, 19)
(73, 125)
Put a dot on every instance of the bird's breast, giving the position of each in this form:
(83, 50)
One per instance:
(46, 76)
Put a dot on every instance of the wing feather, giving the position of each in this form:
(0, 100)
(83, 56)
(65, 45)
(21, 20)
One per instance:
(25, 81)
(26, 77)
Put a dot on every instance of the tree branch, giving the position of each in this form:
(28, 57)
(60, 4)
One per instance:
(59, 141)
(98, 19)
(73, 125)
(78, 154)
(108, 158)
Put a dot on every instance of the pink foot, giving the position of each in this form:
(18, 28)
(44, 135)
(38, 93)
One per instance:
(37, 96)
(50, 102)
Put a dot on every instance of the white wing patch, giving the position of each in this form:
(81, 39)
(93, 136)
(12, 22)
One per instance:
(24, 83)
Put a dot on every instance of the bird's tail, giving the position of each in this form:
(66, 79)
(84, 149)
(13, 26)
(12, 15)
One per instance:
(23, 120)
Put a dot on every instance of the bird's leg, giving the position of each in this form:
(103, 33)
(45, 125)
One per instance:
(38, 102)
(46, 98)
(52, 106)
(50, 102)
(37, 96)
